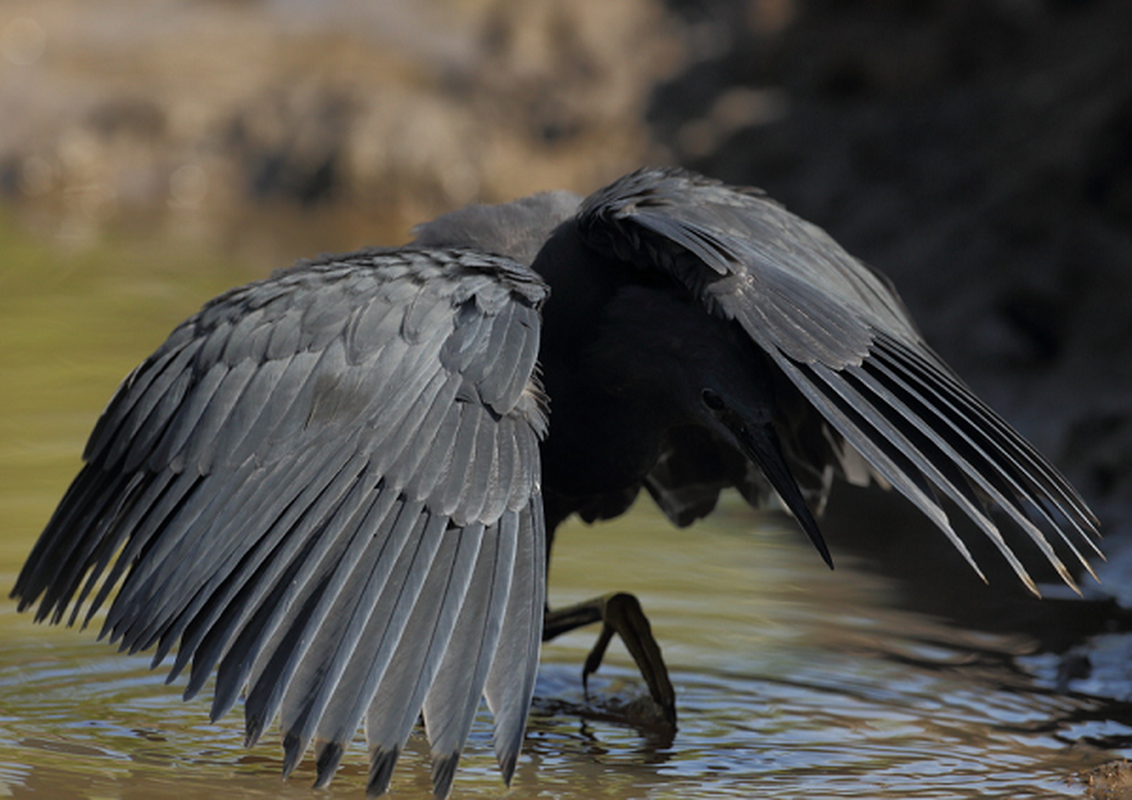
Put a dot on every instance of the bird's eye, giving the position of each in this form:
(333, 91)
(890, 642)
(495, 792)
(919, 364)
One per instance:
(712, 399)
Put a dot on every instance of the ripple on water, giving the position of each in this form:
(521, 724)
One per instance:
(781, 693)
(821, 700)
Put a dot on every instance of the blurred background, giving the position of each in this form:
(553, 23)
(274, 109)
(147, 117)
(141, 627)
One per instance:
(978, 151)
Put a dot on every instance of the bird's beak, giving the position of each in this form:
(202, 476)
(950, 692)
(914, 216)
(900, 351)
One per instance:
(760, 443)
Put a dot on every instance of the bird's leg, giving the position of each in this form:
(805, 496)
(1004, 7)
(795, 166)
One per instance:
(619, 613)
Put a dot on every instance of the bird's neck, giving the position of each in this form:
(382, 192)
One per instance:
(599, 442)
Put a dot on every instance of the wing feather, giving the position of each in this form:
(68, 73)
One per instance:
(510, 680)
(137, 396)
(369, 613)
(311, 487)
(841, 335)
(1002, 468)
(291, 609)
(394, 707)
(451, 702)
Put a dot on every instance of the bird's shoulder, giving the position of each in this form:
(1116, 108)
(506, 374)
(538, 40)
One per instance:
(315, 296)
(745, 257)
(327, 340)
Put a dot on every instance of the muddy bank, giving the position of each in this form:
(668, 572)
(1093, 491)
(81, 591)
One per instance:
(380, 114)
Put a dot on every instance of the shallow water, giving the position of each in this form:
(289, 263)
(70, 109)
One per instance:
(791, 680)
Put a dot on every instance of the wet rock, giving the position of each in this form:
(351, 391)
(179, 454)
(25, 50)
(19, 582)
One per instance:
(1109, 781)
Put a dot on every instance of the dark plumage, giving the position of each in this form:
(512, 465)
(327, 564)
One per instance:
(328, 485)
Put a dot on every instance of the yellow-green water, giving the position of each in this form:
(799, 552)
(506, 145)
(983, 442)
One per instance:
(791, 680)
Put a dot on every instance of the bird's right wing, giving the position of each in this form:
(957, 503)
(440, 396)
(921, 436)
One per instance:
(841, 335)
(326, 485)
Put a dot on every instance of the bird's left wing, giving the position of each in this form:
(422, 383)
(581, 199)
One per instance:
(326, 485)
(840, 333)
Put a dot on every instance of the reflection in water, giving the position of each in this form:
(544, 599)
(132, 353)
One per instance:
(791, 680)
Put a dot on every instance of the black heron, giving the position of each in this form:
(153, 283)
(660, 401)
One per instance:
(337, 487)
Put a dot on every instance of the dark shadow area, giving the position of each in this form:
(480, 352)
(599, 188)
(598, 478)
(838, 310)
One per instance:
(978, 153)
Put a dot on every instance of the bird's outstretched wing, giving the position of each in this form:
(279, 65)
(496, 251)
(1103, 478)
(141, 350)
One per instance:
(841, 335)
(326, 486)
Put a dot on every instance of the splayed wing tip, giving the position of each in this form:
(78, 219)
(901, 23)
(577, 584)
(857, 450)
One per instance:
(443, 771)
(293, 748)
(329, 756)
(382, 762)
(507, 764)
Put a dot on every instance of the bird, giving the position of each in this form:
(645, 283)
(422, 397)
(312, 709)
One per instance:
(338, 487)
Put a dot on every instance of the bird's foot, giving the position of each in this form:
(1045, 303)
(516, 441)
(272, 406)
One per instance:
(619, 613)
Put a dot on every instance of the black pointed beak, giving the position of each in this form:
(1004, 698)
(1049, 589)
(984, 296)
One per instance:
(761, 445)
